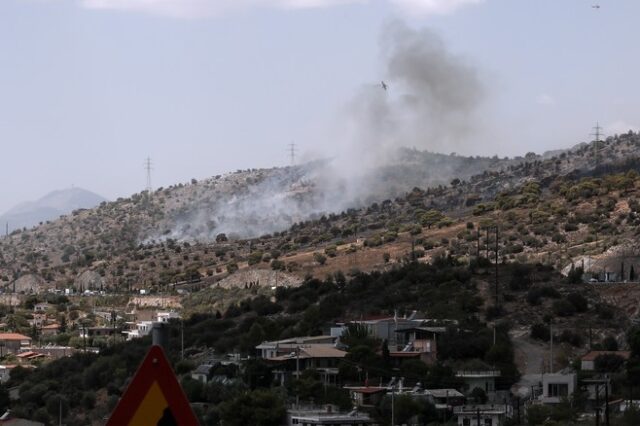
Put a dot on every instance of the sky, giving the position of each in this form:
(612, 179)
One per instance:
(90, 88)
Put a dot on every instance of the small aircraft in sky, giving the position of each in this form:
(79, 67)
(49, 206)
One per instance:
(596, 6)
(384, 85)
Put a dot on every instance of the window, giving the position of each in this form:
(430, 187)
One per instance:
(466, 422)
(557, 389)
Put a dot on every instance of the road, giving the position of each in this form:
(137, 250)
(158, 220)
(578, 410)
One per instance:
(530, 357)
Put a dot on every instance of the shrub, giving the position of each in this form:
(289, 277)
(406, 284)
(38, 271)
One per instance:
(563, 308)
(608, 363)
(540, 332)
(320, 258)
(578, 301)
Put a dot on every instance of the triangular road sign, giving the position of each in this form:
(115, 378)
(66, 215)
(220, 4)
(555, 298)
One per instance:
(154, 397)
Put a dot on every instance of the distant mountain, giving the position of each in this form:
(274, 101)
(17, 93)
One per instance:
(49, 207)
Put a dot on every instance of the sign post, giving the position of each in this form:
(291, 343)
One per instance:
(154, 397)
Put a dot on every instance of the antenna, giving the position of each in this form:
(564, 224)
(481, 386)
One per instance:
(596, 145)
(292, 153)
(148, 167)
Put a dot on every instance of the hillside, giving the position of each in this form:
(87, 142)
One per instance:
(143, 241)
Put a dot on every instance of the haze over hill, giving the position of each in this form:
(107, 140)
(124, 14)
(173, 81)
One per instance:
(49, 207)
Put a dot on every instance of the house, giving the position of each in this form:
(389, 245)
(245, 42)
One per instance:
(558, 386)
(385, 327)
(29, 356)
(55, 352)
(13, 342)
(366, 396)
(39, 319)
(42, 307)
(201, 373)
(97, 332)
(166, 316)
(5, 372)
(322, 358)
(588, 360)
(417, 342)
(50, 330)
(483, 379)
(445, 399)
(406, 337)
(484, 415)
(326, 417)
(142, 328)
(282, 347)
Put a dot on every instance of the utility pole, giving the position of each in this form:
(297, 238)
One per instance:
(496, 265)
(597, 404)
(292, 153)
(297, 374)
(606, 402)
(551, 348)
(393, 403)
(488, 257)
(181, 339)
(148, 167)
(596, 143)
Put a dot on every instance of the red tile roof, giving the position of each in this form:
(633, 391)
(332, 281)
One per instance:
(13, 336)
(591, 356)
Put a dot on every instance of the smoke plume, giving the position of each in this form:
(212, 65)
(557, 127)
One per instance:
(430, 102)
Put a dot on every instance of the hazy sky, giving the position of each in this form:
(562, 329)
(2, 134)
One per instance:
(89, 88)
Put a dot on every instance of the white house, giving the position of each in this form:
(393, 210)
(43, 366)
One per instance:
(483, 379)
(166, 316)
(327, 416)
(282, 347)
(143, 328)
(557, 386)
(484, 415)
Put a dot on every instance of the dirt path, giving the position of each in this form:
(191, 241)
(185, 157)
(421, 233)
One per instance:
(529, 357)
(529, 354)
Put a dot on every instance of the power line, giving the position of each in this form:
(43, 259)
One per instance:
(292, 153)
(596, 144)
(148, 167)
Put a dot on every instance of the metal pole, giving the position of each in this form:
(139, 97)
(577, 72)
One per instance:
(494, 334)
(160, 335)
(181, 339)
(606, 402)
(393, 413)
(496, 265)
(597, 404)
(551, 348)
(478, 416)
(297, 374)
